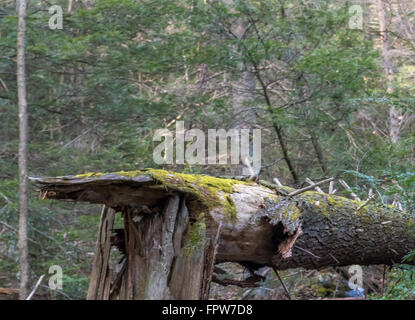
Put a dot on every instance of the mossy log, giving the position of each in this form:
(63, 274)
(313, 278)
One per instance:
(177, 226)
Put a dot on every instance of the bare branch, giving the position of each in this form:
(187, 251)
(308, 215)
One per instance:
(346, 186)
(283, 284)
(278, 183)
(331, 188)
(36, 287)
(297, 192)
(310, 182)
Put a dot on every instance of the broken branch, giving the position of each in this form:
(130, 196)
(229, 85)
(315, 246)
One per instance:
(310, 187)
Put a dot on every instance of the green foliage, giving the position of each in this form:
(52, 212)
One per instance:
(120, 69)
(75, 287)
(401, 285)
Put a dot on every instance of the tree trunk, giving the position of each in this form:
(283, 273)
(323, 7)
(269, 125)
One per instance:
(243, 93)
(23, 128)
(178, 226)
(165, 256)
(243, 87)
(394, 113)
(318, 150)
(101, 273)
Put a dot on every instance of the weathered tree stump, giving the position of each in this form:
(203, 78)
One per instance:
(165, 257)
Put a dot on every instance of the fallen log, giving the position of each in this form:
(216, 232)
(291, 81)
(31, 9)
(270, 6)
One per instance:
(9, 291)
(178, 225)
(13, 294)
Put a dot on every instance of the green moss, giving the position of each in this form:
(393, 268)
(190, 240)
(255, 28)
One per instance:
(295, 214)
(195, 239)
(325, 204)
(324, 209)
(210, 192)
(285, 211)
(321, 291)
(287, 189)
(317, 201)
(290, 213)
(335, 201)
(87, 175)
(328, 204)
(230, 209)
(130, 174)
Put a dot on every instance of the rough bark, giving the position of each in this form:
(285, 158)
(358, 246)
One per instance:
(23, 128)
(188, 266)
(165, 255)
(101, 273)
(175, 247)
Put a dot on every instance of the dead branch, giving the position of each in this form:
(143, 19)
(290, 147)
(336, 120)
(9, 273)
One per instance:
(310, 187)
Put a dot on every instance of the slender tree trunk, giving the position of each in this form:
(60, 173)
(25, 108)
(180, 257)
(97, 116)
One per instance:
(243, 91)
(394, 113)
(69, 9)
(243, 98)
(243, 87)
(23, 128)
(318, 150)
(277, 127)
